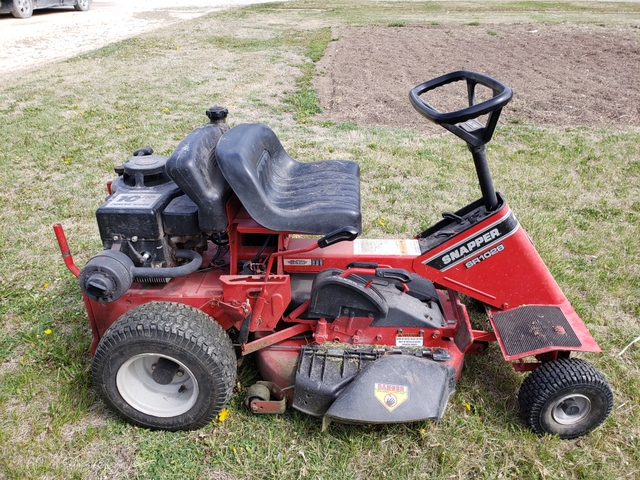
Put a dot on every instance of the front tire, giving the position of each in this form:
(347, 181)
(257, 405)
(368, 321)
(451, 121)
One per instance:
(22, 8)
(165, 366)
(567, 397)
(82, 5)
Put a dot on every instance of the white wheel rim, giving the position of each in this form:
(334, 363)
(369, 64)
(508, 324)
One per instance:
(23, 5)
(138, 388)
(571, 409)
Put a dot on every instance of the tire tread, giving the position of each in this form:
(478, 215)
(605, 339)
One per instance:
(552, 377)
(185, 327)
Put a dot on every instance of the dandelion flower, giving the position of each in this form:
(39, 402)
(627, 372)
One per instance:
(222, 416)
(47, 331)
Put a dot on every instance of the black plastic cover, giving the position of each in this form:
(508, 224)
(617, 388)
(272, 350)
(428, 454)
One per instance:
(395, 389)
(194, 168)
(334, 296)
(181, 217)
(385, 301)
(282, 194)
(323, 373)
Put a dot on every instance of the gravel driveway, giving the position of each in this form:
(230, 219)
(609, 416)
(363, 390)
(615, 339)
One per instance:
(55, 34)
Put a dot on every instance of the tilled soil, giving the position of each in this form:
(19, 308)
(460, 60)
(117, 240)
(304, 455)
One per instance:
(570, 75)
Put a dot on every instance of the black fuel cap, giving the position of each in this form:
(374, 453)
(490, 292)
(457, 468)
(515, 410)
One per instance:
(145, 165)
(217, 113)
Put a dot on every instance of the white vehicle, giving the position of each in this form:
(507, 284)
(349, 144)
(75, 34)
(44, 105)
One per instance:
(25, 8)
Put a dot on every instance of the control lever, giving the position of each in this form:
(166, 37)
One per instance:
(453, 216)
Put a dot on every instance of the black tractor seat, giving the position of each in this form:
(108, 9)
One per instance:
(282, 194)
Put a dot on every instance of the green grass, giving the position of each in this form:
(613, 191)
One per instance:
(459, 12)
(302, 100)
(575, 190)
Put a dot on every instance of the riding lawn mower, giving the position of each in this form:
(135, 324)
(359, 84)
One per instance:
(231, 233)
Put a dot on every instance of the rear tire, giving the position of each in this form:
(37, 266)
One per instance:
(165, 366)
(567, 397)
(82, 5)
(22, 8)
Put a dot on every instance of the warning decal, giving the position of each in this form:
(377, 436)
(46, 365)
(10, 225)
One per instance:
(386, 247)
(409, 340)
(391, 396)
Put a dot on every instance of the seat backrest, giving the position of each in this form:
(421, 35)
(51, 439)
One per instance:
(194, 168)
(250, 154)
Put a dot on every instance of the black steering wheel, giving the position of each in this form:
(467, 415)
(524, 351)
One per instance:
(472, 132)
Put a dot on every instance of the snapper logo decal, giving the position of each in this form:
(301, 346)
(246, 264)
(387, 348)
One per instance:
(391, 396)
(473, 244)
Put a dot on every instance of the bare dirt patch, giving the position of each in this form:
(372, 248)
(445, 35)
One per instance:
(571, 75)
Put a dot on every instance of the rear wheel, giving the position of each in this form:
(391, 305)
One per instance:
(82, 5)
(165, 366)
(22, 8)
(567, 397)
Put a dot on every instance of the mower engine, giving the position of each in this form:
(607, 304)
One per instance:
(148, 226)
(147, 215)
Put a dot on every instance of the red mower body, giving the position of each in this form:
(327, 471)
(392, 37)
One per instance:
(350, 330)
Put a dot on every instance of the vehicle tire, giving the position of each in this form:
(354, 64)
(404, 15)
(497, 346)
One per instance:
(165, 366)
(567, 397)
(82, 5)
(22, 8)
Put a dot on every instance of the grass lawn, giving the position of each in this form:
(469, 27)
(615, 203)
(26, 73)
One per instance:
(575, 190)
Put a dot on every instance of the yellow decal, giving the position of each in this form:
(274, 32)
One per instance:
(391, 396)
